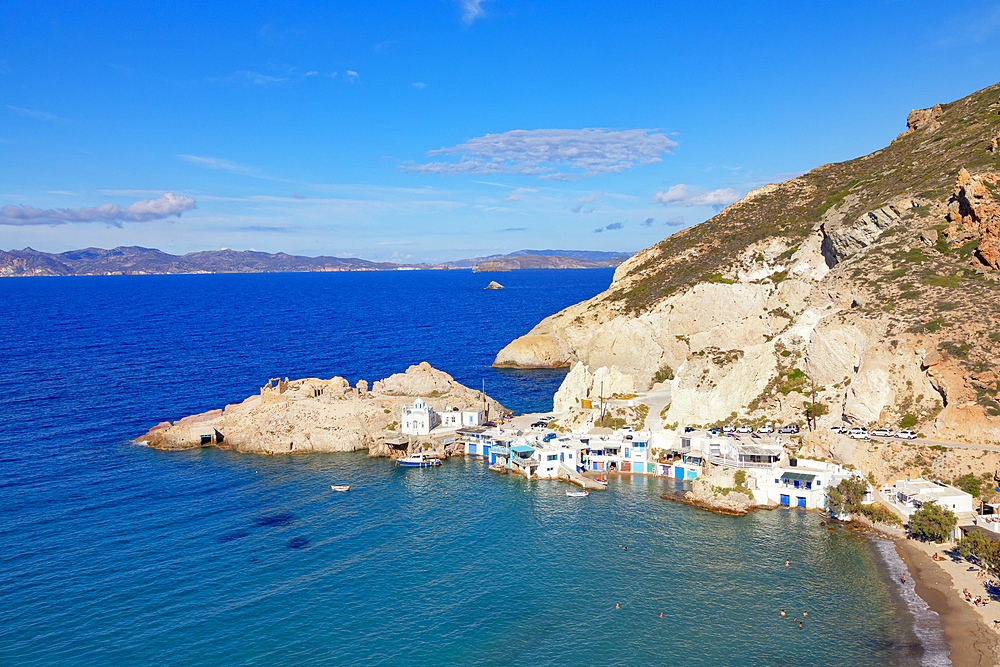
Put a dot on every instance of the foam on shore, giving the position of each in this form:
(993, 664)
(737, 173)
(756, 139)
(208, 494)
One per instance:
(927, 624)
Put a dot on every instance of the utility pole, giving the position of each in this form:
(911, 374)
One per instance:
(812, 407)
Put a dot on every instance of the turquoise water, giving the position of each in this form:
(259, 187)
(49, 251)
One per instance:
(114, 554)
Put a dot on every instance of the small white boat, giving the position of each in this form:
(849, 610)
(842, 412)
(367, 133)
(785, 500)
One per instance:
(418, 461)
(340, 487)
(577, 494)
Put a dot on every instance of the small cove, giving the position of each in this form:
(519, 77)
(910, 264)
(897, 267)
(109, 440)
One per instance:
(111, 553)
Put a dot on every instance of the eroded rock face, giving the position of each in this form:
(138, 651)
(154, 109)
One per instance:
(314, 415)
(844, 238)
(973, 210)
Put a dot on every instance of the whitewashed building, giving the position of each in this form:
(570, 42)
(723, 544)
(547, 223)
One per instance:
(418, 420)
(802, 483)
(421, 419)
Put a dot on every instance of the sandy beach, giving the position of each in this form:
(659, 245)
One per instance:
(967, 628)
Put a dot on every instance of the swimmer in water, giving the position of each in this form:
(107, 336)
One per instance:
(800, 624)
(786, 563)
(782, 612)
(661, 614)
(616, 606)
(804, 614)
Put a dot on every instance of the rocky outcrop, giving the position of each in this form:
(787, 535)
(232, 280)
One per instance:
(973, 210)
(494, 285)
(844, 237)
(923, 119)
(314, 415)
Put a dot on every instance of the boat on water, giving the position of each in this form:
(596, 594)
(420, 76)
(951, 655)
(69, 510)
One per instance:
(340, 487)
(418, 461)
(601, 480)
(577, 494)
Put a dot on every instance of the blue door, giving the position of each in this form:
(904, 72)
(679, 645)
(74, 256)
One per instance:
(486, 454)
(691, 474)
(678, 472)
(802, 501)
(785, 500)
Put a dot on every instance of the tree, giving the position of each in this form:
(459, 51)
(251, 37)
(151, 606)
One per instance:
(846, 497)
(933, 522)
(976, 545)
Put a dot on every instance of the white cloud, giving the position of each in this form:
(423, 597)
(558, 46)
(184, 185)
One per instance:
(219, 163)
(351, 76)
(259, 79)
(588, 199)
(683, 195)
(471, 10)
(676, 221)
(312, 73)
(37, 115)
(420, 85)
(141, 211)
(517, 192)
(588, 152)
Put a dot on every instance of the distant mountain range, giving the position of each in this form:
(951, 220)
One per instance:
(136, 260)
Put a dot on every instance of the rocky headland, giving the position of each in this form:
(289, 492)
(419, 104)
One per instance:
(870, 287)
(314, 415)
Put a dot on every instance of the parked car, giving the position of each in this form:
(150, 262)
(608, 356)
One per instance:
(906, 434)
(766, 428)
(715, 431)
(688, 429)
(789, 428)
(883, 433)
(839, 429)
(744, 429)
(729, 428)
(539, 424)
(859, 433)
(549, 436)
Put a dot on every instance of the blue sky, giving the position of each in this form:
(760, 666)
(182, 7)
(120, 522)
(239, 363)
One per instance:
(436, 130)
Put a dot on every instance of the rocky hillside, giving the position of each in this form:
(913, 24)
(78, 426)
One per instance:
(136, 260)
(314, 415)
(872, 281)
(541, 262)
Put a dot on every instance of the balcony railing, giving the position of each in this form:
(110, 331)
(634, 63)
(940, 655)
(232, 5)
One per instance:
(732, 463)
(524, 463)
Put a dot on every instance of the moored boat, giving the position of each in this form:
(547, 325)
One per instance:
(577, 494)
(340, 487)
(418, 461)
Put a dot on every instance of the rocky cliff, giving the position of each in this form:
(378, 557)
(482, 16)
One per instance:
(871, 284)
(313, 415)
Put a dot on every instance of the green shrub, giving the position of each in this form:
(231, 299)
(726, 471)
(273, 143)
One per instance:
(665, 373)
(909, 420)
(880, 514)
(933, 522)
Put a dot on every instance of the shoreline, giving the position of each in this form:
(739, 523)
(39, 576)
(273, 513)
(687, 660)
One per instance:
(939, 584)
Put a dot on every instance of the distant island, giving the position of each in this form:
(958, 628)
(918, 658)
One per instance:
(136, 260)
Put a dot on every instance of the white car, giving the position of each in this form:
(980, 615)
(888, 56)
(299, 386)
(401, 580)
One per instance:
(906, 434)
(766, 428)
(883, 433)
(859, 433)
(728, 428)
(744, 429)
(839, 429)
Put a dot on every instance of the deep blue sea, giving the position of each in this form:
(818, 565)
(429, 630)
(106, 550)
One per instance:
(116, 554)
